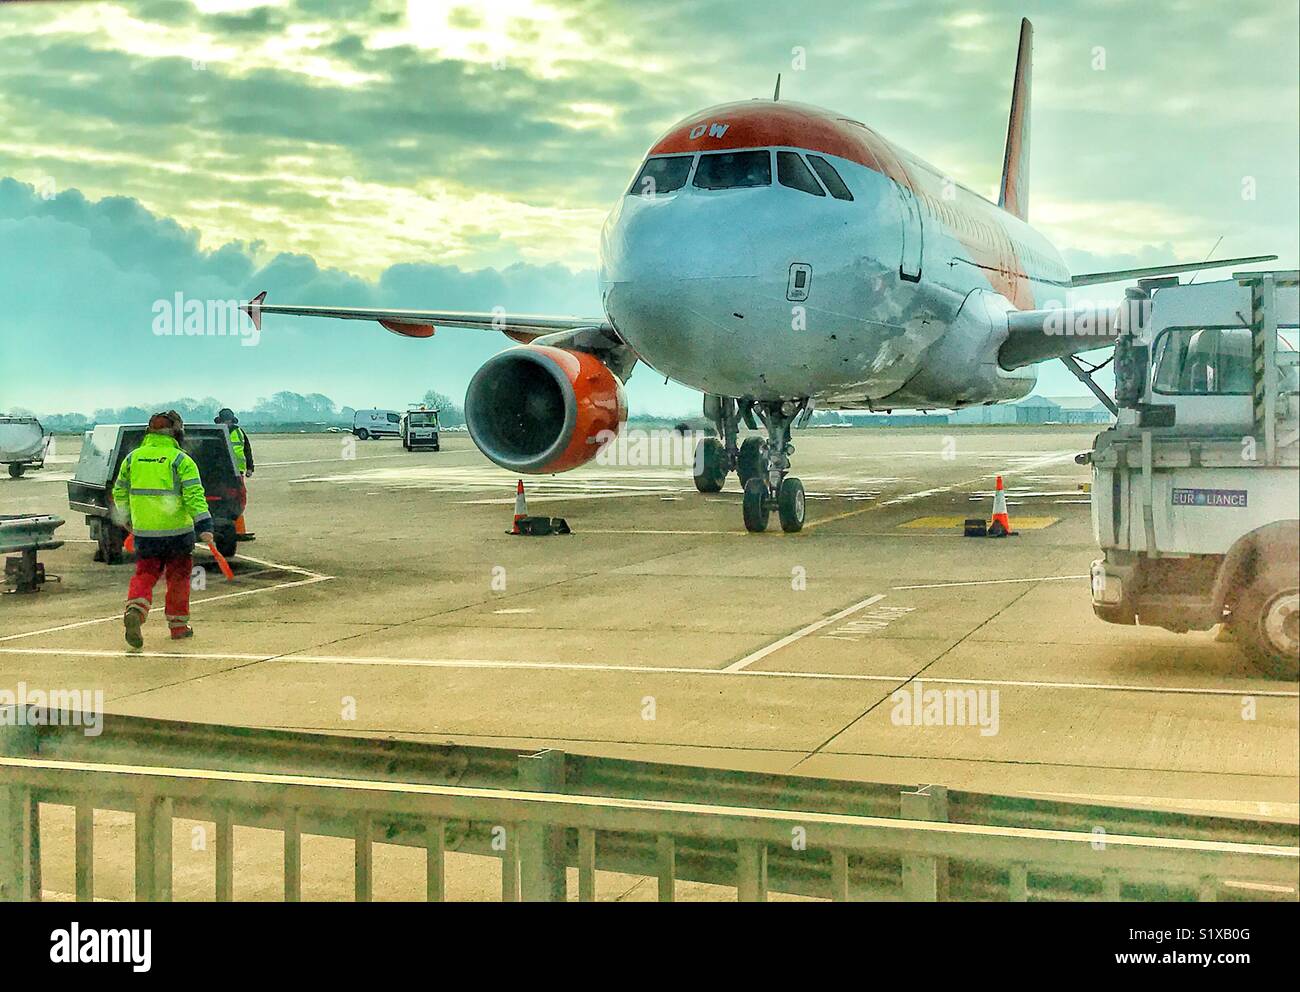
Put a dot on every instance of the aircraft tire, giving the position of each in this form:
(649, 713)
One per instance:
(710, 465)
(749, 464)
(790, 505)
(755, 506)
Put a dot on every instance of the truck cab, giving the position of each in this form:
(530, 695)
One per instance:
(419, 429)
(1196, 489)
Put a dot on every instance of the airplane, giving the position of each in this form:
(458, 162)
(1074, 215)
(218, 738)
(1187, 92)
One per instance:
(781, 258)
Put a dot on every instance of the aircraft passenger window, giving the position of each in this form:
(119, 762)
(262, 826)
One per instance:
(830, 177)
(661, 175)
(1204, 361)
(730, 170)
(791, 171)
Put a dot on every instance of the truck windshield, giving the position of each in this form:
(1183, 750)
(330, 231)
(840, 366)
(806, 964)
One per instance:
(1203, 361)
(421, 419)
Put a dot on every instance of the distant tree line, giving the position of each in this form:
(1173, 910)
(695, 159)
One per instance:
(282, 410)
(287, 410)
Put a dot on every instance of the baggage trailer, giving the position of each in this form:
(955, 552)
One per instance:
(1196, 489)
(27, 534)
(23, 444)
(90, 491)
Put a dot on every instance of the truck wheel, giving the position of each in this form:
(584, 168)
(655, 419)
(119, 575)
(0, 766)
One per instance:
(226, 540)
(1266, 622)
(363, 435)
(111, 537)
(16, 470)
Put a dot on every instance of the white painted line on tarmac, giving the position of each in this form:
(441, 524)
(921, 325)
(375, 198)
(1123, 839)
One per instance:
(989, 582)
(569, 666)
(312, 577)
(316, 461)
(749, 659)
(1048, 459)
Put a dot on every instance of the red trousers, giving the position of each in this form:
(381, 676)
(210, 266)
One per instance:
(147, 572)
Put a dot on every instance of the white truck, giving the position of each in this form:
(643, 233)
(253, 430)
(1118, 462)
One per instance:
(1196, 489)
(419, 429)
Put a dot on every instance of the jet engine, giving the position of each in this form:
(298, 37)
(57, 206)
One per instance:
(538, 409)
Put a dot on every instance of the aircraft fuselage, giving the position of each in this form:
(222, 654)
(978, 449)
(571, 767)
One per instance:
(733, 281)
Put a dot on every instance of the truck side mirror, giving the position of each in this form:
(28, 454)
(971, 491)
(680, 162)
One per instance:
(1132, 366)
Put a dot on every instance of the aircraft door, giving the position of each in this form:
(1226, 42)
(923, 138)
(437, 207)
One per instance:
(909, 266)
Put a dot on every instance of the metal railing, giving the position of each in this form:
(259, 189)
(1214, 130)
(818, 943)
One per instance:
(536, 827)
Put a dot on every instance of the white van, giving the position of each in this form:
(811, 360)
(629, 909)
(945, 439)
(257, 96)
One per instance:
(376, 423)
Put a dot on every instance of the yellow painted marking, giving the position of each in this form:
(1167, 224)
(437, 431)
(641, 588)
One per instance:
(1017, 522)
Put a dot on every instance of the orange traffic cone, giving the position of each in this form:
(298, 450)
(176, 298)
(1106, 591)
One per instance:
(1000, 525)
(521, 507)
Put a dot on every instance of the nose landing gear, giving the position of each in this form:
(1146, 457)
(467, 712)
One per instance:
(761, 465)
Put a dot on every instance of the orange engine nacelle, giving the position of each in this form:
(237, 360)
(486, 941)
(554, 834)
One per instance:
(538, 409)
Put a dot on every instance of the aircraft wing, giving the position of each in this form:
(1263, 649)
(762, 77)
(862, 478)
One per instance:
(422, 323)
(1040, 335)
(1120, 275)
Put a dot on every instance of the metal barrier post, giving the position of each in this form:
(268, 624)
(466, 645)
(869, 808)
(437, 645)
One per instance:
(435, 861)
(510, 865)
(85, 852)
(1018, 879)
(586, 865)
(925, 879)
(363, 878)
(542, 871)
(292, 857)
(153, 850)
(666, 856)
(225, 868)
(839, 876)
(751, 872)
(15, 844)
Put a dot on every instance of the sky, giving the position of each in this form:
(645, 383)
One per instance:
(463, 155)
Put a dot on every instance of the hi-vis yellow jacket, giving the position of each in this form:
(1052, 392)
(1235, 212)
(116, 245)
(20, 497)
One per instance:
(237, 444)
(159, 489)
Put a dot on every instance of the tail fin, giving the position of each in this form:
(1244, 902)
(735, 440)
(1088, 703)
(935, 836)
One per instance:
(1014, 194)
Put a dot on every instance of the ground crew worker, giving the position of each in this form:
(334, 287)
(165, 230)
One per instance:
(159, 497)
(243, 448)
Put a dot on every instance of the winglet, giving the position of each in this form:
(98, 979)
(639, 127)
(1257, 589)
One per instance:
(254, 309)
(1013, 196)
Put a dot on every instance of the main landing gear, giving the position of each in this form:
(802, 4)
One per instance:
(760, 465)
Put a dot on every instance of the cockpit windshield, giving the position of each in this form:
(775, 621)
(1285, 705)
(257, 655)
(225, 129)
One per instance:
(661, 175)
(732, 170)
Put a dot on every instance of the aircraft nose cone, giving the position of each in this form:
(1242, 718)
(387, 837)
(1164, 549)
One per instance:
(668, 237)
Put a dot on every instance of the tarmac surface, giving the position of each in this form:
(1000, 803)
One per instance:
(383, 597)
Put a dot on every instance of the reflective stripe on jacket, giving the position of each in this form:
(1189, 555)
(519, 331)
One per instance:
(159, 489)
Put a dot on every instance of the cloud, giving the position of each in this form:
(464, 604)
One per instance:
(80, 279)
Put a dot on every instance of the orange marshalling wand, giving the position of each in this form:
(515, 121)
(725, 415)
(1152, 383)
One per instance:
(222, 563)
